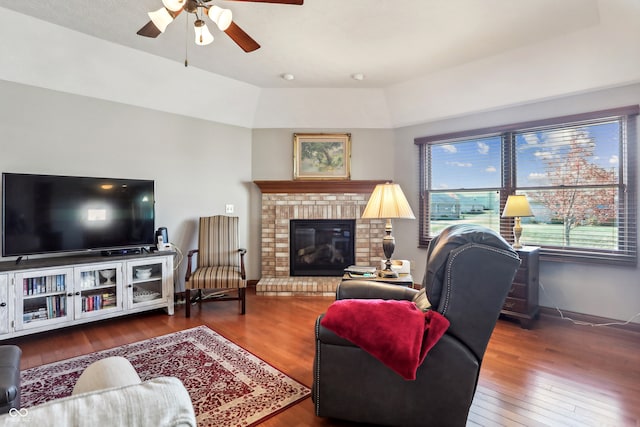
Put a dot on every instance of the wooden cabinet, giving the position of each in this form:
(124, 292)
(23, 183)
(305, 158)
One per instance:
(50, 293)
(522, 301)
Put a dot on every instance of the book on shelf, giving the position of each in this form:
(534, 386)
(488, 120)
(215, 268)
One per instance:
(98, 302)
(42, 285)
(39, 314)
(56, 306)
(108, 300)
(60, 282)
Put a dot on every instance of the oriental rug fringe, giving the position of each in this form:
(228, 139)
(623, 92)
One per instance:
(228, 385)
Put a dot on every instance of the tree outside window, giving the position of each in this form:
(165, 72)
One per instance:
(576, 172)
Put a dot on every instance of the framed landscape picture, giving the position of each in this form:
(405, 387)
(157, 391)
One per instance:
(321, 155)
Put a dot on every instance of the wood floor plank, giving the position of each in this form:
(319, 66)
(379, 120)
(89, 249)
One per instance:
(491, 416)
(505, 412)
(533, 411)
(555, 374)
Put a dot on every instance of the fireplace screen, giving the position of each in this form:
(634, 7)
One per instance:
(321, 247)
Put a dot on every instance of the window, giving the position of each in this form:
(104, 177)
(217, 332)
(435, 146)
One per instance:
(465, 179)
(578, 173)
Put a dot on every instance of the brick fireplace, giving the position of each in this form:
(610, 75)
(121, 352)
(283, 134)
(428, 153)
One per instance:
(283, 201)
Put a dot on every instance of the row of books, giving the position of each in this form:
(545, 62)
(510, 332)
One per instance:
(56, 306)
(43, 284)
(98, 302)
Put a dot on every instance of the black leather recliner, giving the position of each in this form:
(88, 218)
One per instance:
(469, 273)
(9, 378)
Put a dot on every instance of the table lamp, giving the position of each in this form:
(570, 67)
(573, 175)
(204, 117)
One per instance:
(388, 201)
(516, 207)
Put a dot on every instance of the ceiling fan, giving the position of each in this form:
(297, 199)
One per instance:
(223, 19)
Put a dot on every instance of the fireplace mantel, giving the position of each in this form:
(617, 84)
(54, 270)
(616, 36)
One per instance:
(318, 186)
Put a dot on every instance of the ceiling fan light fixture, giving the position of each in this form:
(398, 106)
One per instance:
(203, 35)
(161, 18)
(222, 17)
(174, 5)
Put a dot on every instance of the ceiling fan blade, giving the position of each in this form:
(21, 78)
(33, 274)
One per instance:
(296, 2)
(241, 38)
(149, 30)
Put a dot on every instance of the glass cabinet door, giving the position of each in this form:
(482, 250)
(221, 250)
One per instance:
(98, 289)
(43, 298)
(146, 282)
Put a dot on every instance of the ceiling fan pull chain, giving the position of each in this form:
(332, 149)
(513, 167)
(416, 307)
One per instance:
(186, 45)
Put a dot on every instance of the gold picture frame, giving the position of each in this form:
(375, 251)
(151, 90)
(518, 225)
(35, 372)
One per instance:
(321, 156)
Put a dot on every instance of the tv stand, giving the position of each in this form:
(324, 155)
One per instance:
(43, 294)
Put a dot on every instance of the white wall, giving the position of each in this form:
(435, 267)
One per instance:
(611, 292)
(198, 166)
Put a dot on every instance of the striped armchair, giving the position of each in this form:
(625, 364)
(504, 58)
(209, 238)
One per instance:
(220, 262)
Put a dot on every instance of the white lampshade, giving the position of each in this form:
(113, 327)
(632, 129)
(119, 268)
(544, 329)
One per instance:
(222, 17)
(161, 18)
(203, 36)
(516, 206)
(388, 201)
(174, 5)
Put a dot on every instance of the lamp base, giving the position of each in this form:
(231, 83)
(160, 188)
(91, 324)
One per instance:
(388, 274)
(517, 233)
(388, 246)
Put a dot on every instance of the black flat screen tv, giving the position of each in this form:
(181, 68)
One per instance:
(49, 213)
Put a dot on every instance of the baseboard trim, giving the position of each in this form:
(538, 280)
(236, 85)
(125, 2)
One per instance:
(552, 312)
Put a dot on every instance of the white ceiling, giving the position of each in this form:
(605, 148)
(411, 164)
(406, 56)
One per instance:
(324, 42)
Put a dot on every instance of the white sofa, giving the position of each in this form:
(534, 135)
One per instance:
(110, 393)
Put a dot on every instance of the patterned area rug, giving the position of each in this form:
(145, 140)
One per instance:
(228, 385)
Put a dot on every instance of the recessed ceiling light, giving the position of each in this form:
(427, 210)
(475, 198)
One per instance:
(357, 76)
(287, 76)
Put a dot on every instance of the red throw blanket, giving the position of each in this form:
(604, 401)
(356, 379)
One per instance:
(396, 332)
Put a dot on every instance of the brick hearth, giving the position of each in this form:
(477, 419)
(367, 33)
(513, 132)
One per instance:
(280, 207)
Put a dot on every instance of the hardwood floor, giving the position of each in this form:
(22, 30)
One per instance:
(556, 374)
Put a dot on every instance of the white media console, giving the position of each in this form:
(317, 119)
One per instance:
(38, 295)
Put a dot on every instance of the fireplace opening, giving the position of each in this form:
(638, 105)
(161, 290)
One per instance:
(321, 247)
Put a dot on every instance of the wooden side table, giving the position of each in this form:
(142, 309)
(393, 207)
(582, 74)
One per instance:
(522, 301)
(404, 279)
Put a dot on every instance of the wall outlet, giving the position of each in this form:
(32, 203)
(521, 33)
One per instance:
(228, 208)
